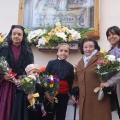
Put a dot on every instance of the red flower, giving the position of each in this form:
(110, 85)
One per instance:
(51, 82)
(55, 76)
(12, 73)
(42, 69)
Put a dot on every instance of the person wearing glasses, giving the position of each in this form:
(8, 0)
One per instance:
(87, 80)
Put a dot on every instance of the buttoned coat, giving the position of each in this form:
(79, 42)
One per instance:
(90, 107)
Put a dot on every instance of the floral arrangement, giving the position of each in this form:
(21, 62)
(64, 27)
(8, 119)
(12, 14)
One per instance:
(107, 66)
(59, 34)
(2, 41)
(52, 36)
(4, 67)
(50, 82)
(27, 83)
(34, 36)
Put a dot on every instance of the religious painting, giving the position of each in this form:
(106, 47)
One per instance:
(72, 13)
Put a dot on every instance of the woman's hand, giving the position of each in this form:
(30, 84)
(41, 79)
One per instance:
(74, 99)
(43, 113)
(106, 84)
(9, 77)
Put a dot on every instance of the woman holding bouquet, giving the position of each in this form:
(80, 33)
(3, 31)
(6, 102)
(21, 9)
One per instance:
(18, 55)
(113, 36)
(65, 72)
(87, 79)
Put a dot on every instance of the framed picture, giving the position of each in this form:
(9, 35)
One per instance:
(72, 13)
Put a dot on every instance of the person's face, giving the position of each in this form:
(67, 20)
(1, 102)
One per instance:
(17, 36)
(88, 48)
(34, 72)
(63, 52)
(113, 38)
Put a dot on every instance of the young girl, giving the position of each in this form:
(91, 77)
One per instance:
(18, 54)
(64, 71)
(20, 110)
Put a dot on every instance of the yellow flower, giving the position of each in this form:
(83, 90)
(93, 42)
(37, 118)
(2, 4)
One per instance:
(27, 79)
(1, 40)
(106, 56)
(51, 85)
(113, 62)
(45, 84)
(103, 51)
(65, 29)
(70, 38)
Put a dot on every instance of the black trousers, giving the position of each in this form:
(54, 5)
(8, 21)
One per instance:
(59, 109)
(35, 115)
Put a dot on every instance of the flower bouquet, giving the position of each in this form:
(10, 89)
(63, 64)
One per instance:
(50, 82)
(2, 41)
(27, 83)
(58, 34)
(4, 67)
(107, 67)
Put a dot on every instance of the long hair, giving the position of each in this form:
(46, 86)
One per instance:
(113, 29)
(24, 40)
(91, 40)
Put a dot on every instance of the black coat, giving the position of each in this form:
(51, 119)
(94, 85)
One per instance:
(26, 58)
(20, 110)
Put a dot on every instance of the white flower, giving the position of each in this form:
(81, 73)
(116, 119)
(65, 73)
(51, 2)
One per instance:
(62, 35)
(98, 66)
(58, 24)
(35, 33)
(32, 77)
(111, 57)
(75, 34)
(118, 59)
(41, 41)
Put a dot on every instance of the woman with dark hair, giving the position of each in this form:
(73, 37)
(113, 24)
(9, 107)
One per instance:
(18, 55)
(87, 80)
(113, 36)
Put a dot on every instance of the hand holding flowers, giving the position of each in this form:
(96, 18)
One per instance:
(6, 71)
(51, 83)
(107, 67)
(27, 83)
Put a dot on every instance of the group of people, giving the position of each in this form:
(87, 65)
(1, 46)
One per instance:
(14, 102)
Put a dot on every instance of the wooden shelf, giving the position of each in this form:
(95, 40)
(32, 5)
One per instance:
(54, 50)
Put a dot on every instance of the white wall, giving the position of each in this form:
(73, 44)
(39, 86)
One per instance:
(109, 16)
(8, 14)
